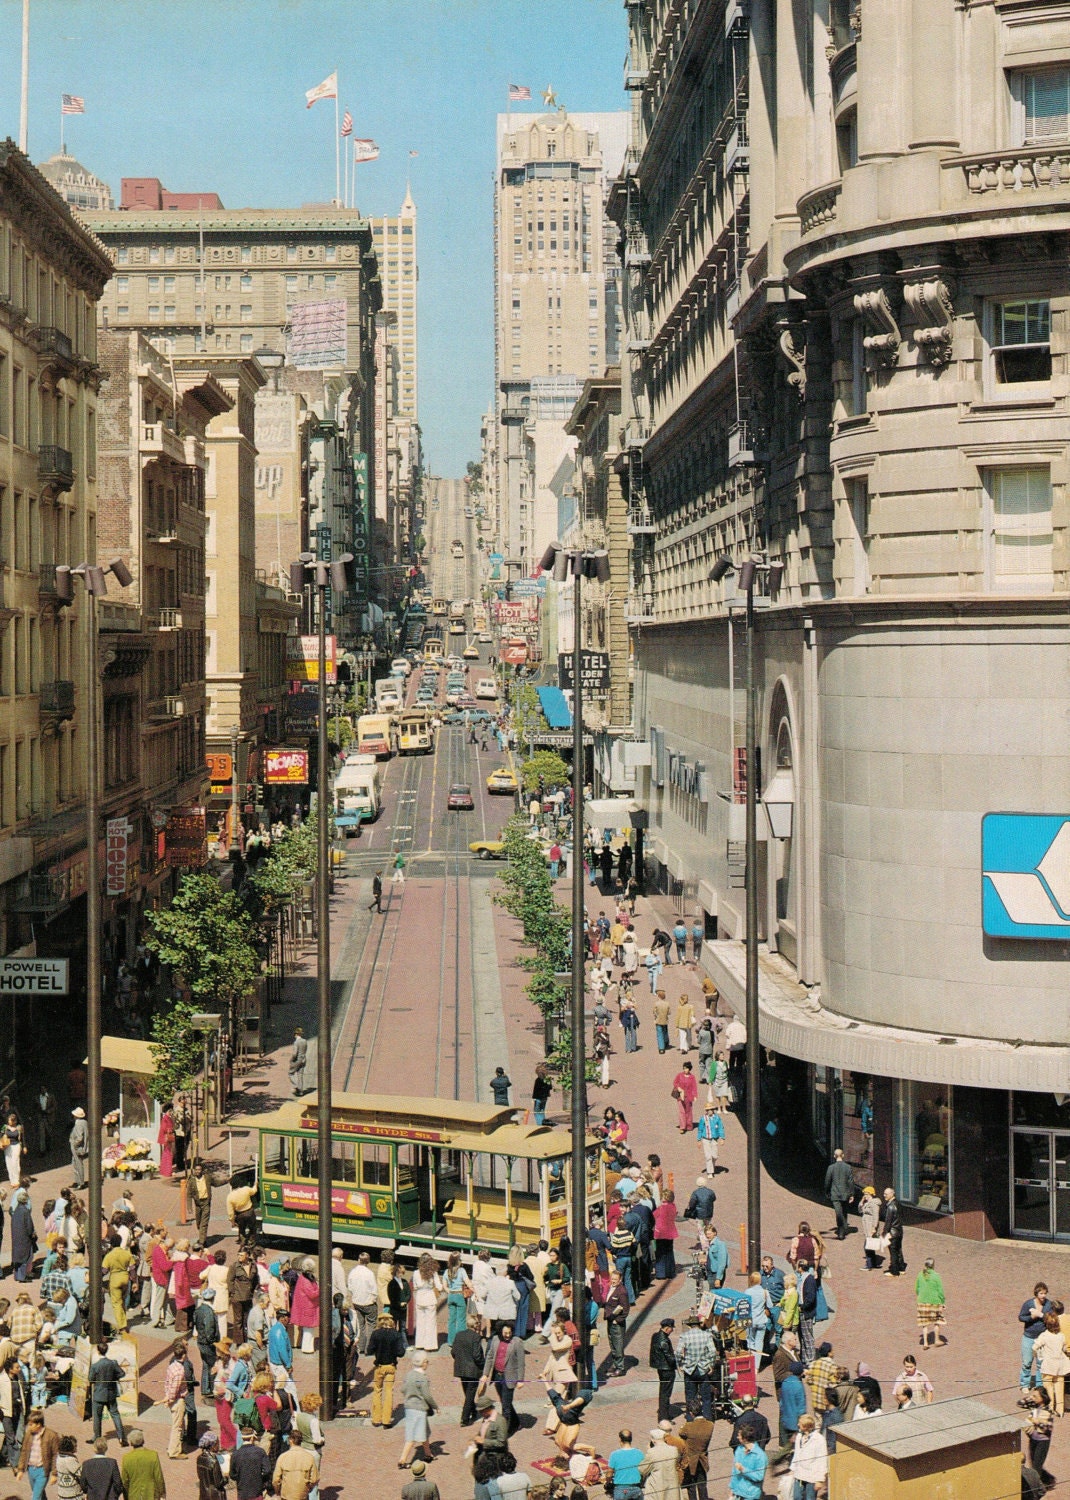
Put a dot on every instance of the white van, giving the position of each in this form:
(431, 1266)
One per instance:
(486, 687)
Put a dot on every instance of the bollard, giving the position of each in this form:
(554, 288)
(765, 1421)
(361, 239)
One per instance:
(743, 1267)
(183, 1212)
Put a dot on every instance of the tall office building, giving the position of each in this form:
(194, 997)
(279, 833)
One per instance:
(555, 303)
(846, 354)
(398, 451)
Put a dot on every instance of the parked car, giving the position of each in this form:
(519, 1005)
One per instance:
(502, 780)
(471, 653)
(474, 716)
(459, 798)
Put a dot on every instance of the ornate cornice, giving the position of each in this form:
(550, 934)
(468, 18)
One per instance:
(882, 340)
(931, 301)
(37, 209)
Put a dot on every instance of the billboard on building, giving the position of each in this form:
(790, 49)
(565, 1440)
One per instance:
(514, 653)
(515, 611)
(116, 856)
(317, 338)
(185, 838)
(594, 670)
(286, 767)
(303, 659)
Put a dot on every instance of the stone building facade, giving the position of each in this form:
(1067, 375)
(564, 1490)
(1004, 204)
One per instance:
(845, 237)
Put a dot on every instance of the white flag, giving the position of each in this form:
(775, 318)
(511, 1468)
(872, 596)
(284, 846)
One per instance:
(328, 89)
(364, 150)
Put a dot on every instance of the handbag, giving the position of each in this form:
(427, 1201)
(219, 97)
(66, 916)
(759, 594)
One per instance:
(875, 1244)
(821, 1307)
(676, 1094)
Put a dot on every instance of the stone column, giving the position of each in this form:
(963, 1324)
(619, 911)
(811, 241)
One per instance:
(885, 59)
(936, 65)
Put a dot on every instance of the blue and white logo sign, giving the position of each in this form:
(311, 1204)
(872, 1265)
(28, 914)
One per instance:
(1025, 858)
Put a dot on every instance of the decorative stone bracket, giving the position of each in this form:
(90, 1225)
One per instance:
(884, 338)
(794, 355)
(930, 301)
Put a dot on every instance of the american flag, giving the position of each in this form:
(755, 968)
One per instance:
(519, 91)
(73, 104)
(347, 123)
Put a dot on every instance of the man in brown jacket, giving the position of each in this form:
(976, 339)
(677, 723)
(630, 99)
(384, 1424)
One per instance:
(40, 1446)
(296, 1471)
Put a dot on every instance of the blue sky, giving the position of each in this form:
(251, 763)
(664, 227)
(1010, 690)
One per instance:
(209, 94)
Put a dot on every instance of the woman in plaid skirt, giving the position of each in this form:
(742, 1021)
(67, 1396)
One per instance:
(929, 1293)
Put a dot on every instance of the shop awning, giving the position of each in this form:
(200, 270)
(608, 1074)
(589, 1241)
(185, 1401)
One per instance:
(795, 1022)
(609, 812)
(554, 707)
(126, 1055)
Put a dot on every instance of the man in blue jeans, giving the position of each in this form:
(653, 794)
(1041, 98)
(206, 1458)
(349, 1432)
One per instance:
(1031, 1317)
(624, 1464)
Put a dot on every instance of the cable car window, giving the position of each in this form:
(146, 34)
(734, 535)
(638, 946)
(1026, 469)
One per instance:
(308, 1158)
(277, 1155)
(343, 1161)
(406, 1167)
(375, 1166)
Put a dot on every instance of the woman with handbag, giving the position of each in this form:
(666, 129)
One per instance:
(12, 1141)
(873, 1244)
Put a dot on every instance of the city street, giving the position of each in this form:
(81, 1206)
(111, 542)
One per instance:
(430, 1000)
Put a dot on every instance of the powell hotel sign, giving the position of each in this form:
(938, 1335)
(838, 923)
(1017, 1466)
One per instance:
(1025, 858)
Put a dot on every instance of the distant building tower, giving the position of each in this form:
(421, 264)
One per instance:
(76, 185)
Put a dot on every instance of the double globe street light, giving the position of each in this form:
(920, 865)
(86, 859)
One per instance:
(340, 576)
(561, 562)
(747, 573)
(96, 584)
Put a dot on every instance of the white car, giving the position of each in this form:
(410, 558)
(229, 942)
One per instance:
(400, 666)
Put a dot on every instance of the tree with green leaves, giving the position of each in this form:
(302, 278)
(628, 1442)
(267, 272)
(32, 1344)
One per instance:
(544, 768)
(176, 1051)
(207, 937)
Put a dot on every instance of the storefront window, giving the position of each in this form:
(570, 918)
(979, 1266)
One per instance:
(923, 1154)
(856, 1098)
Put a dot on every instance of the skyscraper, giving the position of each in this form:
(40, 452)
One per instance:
(555, 303)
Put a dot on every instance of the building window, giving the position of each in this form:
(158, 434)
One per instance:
(330, 281)
(122, 255)
(246, 254)
(154, 255)
(247, 343)
(154, 283)
(924, 1121)
(1040, 105)
(247, 312)
(858, 515)
(291, 253)
(331, 252)
(859, 375)
(122, 284)
(1018, 531)
(170, 311)
(847, 140)
(1019, 343)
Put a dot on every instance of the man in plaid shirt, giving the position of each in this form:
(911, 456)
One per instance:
(822, 1373)
(697, 1355)
(55, 1280)
(26, 1321)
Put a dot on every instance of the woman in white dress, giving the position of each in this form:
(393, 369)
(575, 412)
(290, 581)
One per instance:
(427, 1287)
(482, 1276)
(13, 1149)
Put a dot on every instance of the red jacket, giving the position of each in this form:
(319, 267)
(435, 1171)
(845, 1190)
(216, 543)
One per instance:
(161, 1266)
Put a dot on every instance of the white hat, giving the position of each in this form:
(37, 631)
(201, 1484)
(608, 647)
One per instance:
(79, 1113)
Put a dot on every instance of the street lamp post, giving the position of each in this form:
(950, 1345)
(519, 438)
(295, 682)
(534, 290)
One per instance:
(96, 584)
(747, 572)
(581, 565)
(339, 576)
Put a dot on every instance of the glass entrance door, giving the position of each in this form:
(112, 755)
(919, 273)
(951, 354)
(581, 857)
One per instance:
(1040, 1183)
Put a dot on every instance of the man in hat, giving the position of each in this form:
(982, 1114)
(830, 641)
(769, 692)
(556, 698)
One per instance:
(658, 1467)
(663, 1360)
(697, 1355)
(420, 1487)
(79, 1144)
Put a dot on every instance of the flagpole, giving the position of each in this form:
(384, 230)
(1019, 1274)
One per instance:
(24, 100)
(337, 147)
(61, 119)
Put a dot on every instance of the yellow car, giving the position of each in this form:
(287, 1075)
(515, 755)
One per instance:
(488, 848)
(502, 780)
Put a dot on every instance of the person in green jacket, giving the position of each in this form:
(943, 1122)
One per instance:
(141, 1472)
(929, 1295)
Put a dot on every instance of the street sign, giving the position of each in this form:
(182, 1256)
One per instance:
(33, 976)
(1025, 863)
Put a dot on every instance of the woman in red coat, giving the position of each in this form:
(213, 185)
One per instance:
(665, 1235)
(685, 1092)
(305, 1306)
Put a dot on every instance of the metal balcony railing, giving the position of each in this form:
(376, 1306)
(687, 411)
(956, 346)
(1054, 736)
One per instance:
(55, 465)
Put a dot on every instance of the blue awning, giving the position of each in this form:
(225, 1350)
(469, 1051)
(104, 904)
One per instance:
(554, 707)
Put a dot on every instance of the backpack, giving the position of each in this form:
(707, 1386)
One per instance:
(247, 1414)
